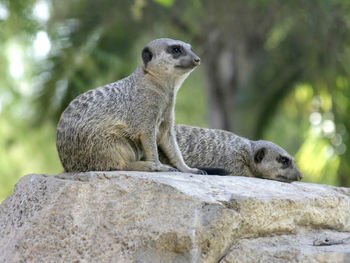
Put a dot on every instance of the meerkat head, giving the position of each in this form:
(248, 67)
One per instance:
(270, 161)
(169, 58)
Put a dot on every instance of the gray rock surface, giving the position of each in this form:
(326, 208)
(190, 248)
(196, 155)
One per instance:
(171, 217)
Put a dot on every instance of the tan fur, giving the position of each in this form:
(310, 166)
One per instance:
(212, 148)
(119, 126)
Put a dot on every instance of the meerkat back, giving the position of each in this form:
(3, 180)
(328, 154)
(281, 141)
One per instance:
(83, 137)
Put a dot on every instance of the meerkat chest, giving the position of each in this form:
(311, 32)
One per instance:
(164, 122)
(162, 126)
(166, 112)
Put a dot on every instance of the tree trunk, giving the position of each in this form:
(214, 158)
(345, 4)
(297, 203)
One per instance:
(229, 69)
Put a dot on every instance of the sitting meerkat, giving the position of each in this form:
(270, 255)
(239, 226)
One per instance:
(120, 125)
(212, 148)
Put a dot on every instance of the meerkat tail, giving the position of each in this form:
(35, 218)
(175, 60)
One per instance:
(215, 171)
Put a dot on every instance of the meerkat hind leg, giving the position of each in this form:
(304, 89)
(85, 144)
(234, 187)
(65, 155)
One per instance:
(151, 160)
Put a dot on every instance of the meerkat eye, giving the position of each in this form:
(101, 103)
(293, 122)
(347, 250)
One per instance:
(176, 50)
(285, 161)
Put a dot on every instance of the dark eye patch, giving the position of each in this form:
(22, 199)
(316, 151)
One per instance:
(285, 161)
(176, 50)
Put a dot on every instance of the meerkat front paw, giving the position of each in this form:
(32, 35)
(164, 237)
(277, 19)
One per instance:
(168, 168)
(165, 168)
(202, 172)
(195, 171)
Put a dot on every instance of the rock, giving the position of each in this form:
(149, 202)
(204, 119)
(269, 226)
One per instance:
(171, 217)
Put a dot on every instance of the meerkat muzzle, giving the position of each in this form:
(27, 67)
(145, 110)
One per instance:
(197, 61)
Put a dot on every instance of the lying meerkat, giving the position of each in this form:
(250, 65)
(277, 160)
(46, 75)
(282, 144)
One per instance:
(119, 126)
(210, 148)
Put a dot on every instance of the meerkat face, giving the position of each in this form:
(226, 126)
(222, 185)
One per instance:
(168, 57)
(272, 162)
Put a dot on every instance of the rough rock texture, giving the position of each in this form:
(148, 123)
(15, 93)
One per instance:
(171, 217)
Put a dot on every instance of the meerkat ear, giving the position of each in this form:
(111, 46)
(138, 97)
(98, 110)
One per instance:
(146, 55)
(259, 155)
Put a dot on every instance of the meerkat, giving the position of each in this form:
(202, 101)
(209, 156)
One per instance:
(120, 125)
(210, 148)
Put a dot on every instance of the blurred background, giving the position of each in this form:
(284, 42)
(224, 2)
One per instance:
(274, 70)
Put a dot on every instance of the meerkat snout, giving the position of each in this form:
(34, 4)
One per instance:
(197, 61)
(299, 176)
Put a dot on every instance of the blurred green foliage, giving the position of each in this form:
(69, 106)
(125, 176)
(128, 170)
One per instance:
(297, 93)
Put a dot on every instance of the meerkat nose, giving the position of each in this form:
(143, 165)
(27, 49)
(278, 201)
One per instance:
(299, 175)
(197, 61)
